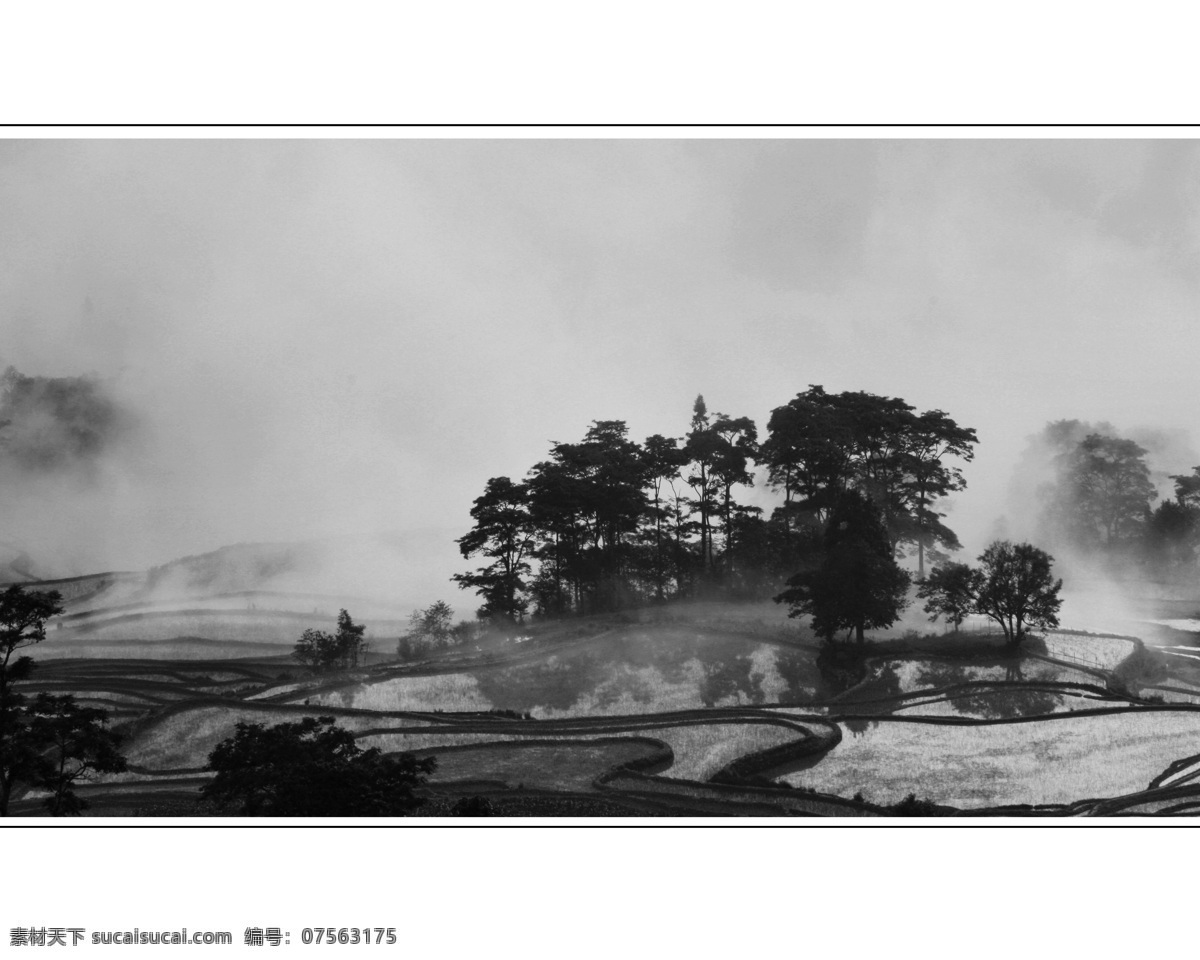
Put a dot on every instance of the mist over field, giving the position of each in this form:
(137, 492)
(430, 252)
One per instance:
(341, 341)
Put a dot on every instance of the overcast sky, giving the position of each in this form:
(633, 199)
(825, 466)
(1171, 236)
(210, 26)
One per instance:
(326, 337)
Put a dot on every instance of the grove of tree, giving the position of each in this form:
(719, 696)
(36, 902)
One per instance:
(608, 522)
(323, 652)
(1014, 586)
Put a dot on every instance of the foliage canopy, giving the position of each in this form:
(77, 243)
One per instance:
(311, 768)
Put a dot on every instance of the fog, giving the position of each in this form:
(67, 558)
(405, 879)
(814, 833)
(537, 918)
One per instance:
(320, 339)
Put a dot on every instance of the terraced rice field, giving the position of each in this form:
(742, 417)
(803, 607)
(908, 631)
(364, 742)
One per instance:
(1001, 704)
(629, 673)
(700, 749)
(1094, 651)
(693, 716)
(570, 766)
(1059, 760)
(182, 739)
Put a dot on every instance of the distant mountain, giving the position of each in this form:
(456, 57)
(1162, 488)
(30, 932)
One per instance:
(399, 571)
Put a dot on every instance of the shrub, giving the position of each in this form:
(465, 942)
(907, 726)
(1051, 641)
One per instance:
(312, 768)
(910, 806)
(473, 807)
(322, 652)
(433, 625)
(410, 648)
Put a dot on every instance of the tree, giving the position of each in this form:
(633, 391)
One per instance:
(503, 533)
(1017, 589)
(702, 448)
(1173, 535)
(606, 480)
(350, 641)
(1187, 488)
(950, 591)
(433, 625)
(858, 585)
(74, 742)
(933, 437)
(311, 768)
(23, 619)
(737, 446)
(807, 453)
(1173, 529)
(664, 459)
(317, 650)
(322, 652)
(473, 806)
(1109, 489)
(820, 445)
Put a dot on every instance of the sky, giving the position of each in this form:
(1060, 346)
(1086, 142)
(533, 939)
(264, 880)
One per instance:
(340, 338)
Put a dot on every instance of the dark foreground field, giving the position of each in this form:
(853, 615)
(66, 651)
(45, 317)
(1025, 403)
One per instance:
(702, 710)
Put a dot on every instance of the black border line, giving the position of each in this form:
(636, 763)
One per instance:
(533, 125)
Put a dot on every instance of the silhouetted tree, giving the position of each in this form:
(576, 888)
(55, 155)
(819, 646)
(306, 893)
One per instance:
(503, 533)
(1173, 536)
(586, 504)
(926, 478)
(664, 459)
(559, 537)
(820, 445)
(317, 650)
(1017, 589)
(74, 743)
(950, 591)
(352, 645)
(1172, 533)
(858, 585)
(807, 454)
(351, 641)
(735, 449)
(702, 448)
(1187, 488)
(611, 479)
(311, 768)
(322, 652)
(23, 617)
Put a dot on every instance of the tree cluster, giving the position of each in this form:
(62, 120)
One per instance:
(51, 742)
(1099, 500)
(311, 768)
(324, 652)
(430, 629)
(607, 522)
(1014, 587)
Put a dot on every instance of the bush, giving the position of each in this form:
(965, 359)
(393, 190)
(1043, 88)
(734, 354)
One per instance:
(910, 806)
(473, 807)
(322, 652)
(312, 768)
(432, 625)
(410, 648)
